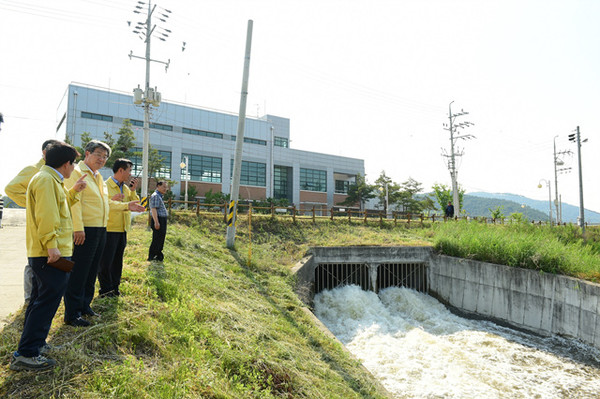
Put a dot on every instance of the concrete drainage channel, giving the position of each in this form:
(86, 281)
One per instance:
(524, 299)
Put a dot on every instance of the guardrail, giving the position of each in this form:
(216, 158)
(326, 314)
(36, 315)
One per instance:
(334, 213)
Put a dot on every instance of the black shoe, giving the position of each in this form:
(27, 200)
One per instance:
(78, 322)
(90, 313)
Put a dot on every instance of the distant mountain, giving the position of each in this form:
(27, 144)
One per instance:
(480, 206)
(570, 213)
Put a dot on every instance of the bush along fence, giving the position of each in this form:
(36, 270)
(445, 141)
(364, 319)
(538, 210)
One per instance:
(335, 213)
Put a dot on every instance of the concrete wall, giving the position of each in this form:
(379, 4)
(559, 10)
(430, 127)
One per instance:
(527, 299)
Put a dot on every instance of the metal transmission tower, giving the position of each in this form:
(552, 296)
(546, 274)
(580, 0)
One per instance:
(559, 168)
(145, 30)
(455, 152)
(576, 138)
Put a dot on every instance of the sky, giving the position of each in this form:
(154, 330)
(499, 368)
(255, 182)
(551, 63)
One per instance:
(364, 79)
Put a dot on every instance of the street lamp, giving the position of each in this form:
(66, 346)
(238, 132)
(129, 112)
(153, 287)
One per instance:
(548, 184)
(187, 178)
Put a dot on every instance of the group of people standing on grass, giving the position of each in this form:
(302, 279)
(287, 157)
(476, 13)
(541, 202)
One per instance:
(76, 231)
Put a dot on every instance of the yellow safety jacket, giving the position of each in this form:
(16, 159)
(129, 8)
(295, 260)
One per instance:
(17, 188)
(48, 213)
(119, 221)
(94, 203)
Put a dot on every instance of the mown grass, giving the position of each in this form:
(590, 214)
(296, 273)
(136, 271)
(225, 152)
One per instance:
(558, 249)
(205, 324)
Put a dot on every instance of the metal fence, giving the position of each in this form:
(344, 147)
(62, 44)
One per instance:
(334, 213)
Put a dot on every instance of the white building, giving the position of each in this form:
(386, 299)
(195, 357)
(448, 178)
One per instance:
(270, 168)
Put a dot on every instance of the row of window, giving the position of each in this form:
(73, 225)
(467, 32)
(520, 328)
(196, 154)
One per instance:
(209, 169)
(279, 141)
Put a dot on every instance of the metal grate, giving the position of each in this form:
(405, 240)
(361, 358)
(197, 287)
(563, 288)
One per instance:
(332, 275)
(410, 275)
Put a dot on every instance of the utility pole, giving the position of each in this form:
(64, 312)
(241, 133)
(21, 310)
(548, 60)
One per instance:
(576, 137)
(237, 162)
(149, 96)
(558, 162)
(455, 152)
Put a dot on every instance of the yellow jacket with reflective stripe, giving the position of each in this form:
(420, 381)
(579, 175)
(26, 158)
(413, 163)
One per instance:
(17, 188)
(94, 203)
(119, 221)
(48, 213)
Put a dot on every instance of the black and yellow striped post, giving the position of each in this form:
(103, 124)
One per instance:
(144, 202)
(231, 214)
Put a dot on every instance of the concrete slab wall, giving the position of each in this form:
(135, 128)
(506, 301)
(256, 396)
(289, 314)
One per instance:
(527, 299)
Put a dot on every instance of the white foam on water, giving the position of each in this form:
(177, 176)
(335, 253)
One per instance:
(418, 349)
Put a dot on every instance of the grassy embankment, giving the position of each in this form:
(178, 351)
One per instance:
(204, 324)
(558, 249)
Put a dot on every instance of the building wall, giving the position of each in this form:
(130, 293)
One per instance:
(118, 106)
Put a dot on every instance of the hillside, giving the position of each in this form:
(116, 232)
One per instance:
(480, 206)
(570, 212)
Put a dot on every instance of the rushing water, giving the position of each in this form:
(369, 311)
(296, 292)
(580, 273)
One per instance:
(418, 349)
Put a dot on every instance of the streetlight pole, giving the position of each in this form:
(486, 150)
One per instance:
(185, 165)
(548, 183)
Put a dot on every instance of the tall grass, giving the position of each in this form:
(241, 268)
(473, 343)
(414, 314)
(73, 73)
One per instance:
(558, 249)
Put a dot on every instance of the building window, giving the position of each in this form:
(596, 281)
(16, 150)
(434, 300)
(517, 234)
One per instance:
(342, 186)
(164, 172)
(313, 180)
(203, 168)
(281, 182)
(201, 133)
(250, 140)
(281, 142)
(160, 126)
(98, 117)
(253, 173)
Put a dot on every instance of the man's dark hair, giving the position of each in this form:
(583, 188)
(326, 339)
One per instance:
(121, 163)
(49, 142)
(160, 183)
(59, 153)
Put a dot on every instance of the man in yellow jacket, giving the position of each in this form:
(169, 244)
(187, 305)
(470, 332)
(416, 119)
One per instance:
(111, 263)
(90, 217)
(16, 190)
(49, 236)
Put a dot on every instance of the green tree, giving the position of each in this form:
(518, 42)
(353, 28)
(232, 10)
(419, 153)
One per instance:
(427, 204)
(122, 148)
(407, 196)
(192, 193)
(359, 193)
(497, 213)
(384, 185)
(443, 195)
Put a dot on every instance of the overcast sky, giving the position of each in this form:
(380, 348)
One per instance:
(364, 79)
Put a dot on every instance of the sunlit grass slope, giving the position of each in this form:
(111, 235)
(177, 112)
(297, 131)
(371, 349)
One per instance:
(204, 323)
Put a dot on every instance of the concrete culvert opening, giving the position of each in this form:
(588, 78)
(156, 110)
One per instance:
(390, 307)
